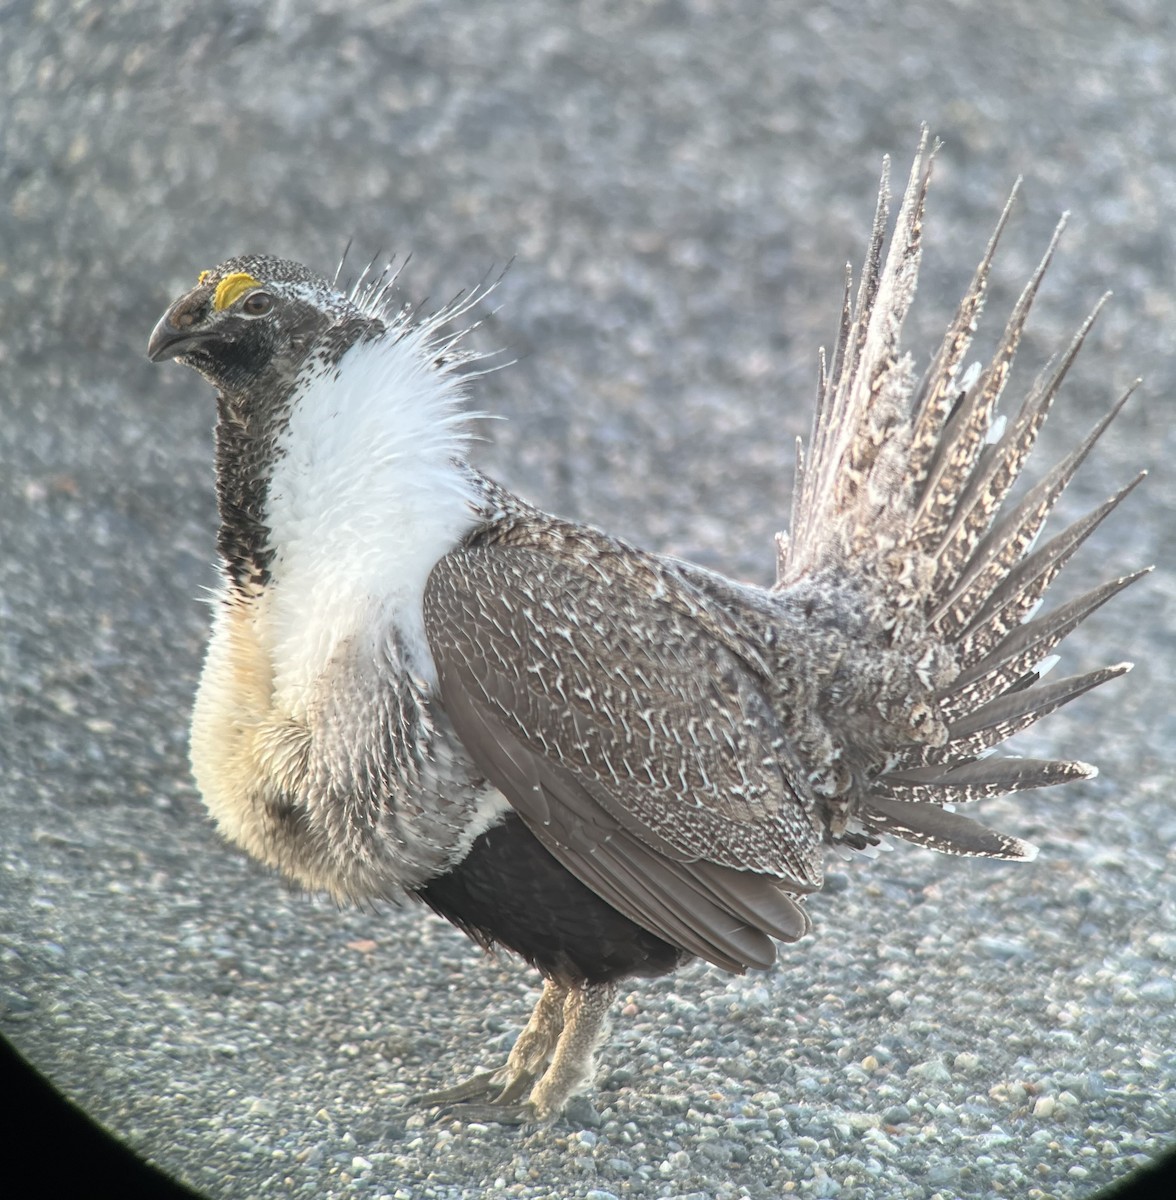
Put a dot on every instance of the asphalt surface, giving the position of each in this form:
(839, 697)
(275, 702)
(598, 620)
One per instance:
(677, 186)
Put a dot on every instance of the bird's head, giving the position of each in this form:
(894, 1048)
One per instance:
(254, 319)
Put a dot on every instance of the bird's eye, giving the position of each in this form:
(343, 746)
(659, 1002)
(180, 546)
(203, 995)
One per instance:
(257, 304)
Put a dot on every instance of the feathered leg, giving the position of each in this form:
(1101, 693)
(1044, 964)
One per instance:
(528, 1058)
(584, 1015)
(553, 1057)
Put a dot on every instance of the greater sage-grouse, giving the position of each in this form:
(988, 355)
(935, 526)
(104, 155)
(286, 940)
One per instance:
(607, 760)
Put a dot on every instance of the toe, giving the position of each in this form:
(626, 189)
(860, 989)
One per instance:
(485, 1086)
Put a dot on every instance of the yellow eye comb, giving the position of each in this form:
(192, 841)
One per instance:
(232, 288)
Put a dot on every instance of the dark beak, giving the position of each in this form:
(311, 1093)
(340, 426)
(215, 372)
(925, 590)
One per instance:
(169, 341)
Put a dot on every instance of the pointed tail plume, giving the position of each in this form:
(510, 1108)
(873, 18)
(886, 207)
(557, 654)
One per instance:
(899, 510)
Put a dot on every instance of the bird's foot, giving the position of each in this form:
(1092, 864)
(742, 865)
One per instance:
(496, 1088)
(497, 1114)
(493, 1097)
(552, 1060)
(501, 1089)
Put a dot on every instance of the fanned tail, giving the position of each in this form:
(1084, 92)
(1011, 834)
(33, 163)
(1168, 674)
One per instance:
(899, 510)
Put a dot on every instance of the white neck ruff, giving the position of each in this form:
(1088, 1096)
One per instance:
(365, 497)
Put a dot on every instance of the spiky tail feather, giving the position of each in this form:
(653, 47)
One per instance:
(898, 498)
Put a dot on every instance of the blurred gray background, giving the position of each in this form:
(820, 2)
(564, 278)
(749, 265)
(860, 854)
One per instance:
(678, 185)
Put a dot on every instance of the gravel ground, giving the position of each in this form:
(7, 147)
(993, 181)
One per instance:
(678, 185)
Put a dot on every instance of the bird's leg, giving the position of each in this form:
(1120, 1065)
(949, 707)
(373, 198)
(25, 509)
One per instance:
(585, 1011)
(528, 1057)
(563, 1031)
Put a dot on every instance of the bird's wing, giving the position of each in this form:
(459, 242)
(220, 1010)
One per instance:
(635, 743)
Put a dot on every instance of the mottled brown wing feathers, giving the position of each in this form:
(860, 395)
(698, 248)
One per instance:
(668, 897)
(635, 749)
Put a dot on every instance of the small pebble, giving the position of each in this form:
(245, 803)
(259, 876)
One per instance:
(933, 1071)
